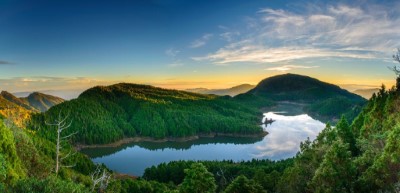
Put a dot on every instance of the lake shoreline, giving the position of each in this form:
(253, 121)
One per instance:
(127, 140)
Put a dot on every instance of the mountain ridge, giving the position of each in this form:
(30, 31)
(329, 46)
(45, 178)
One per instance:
(41, 101)
(232, 91)
(126, 110)
(276, 87)
(324, 100)
(35, 102)
(18, 101)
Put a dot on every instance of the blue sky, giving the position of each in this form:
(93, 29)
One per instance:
(56, 45)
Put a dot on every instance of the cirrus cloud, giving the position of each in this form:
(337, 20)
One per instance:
(289, 67)
(201, 41)
(260, 54)
(359, 32)
(171, 52)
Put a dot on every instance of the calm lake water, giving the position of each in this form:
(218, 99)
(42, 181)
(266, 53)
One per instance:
(283, 140)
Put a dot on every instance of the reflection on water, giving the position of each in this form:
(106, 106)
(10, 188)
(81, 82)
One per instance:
(285, 135)
(186, 145)
(283, 140)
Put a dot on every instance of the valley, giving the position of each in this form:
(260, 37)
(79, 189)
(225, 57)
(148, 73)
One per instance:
(221, 134)
(178, 96)
(282, 142)
(122, 104)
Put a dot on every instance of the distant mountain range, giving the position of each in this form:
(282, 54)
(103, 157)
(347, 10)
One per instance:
(233, 91)
(42, 102)
(33, 102)
(366, 93)
(243, 88)
(66, 94)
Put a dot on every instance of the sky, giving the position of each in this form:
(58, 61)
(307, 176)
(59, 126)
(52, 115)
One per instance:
(48, 45)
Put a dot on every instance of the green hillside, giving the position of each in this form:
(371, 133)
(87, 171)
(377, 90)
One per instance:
(27, 163)
(363, 156)
(107, 114)
(322, 99)
(295, 87)
(359, 157)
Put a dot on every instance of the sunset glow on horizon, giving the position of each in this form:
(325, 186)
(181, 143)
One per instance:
(178, 44)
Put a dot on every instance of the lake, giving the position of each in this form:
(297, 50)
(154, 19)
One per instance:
(283, 140)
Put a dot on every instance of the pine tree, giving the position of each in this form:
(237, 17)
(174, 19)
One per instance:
(243, 185)
(198, 180)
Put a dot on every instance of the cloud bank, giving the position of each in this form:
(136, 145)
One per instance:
(345, 31)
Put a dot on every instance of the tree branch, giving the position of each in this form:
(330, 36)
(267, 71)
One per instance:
(70, 135)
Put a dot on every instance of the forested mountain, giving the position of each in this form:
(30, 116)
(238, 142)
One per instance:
(104, 114)
(359, 157)
(344, 158)
(296, 87)
(320, 98)
(239, 89)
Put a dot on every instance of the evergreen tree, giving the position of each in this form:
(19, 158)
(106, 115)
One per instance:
(198, 180)
(336, 172)
(243, 185)
(384, 174)
(344, 132)
(7, 149)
